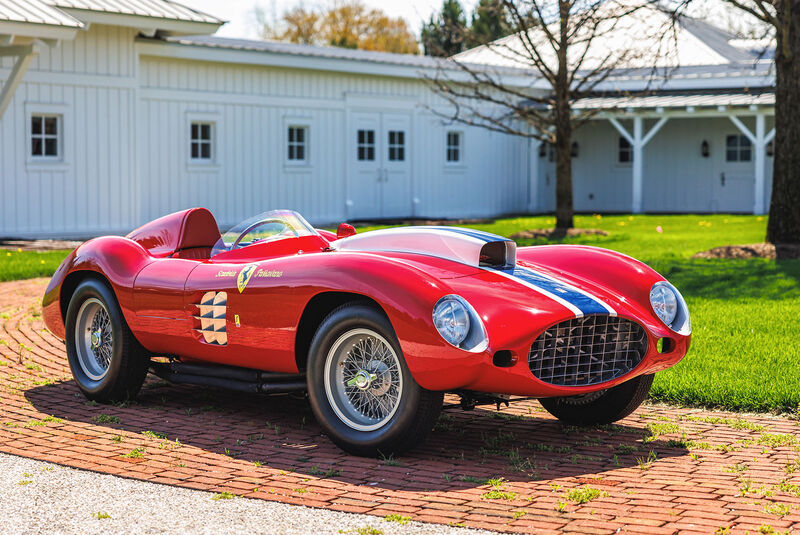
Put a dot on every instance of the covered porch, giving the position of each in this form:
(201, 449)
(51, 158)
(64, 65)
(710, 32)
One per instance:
(683, 152)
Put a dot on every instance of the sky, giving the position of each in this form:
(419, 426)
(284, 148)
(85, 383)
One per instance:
(239, 12)
(241, 23)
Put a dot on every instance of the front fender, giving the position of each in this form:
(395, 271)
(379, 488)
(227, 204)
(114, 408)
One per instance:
(407, 296)
(117, 260)
(627, 279)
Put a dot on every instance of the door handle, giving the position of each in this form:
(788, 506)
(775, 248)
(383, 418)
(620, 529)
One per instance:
(722, 178)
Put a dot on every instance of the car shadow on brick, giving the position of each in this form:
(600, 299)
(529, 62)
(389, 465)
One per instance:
(521, 444)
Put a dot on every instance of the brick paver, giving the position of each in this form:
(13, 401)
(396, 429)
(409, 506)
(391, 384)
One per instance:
(661, 470)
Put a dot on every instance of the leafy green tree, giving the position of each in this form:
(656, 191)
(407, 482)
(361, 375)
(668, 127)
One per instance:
(445, 34)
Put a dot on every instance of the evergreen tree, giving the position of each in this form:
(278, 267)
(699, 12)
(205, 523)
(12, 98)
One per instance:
(489, 23)
(445, 33)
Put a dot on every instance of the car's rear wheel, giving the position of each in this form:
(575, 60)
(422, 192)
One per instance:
(107, 362)
(360, 388)
(602, 407)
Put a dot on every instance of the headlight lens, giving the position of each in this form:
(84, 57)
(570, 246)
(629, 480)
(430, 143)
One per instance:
(451, 319)
(664, 301)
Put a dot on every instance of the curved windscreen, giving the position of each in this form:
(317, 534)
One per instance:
(269, 226)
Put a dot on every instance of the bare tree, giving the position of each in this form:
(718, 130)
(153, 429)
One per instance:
(566, 50)
(783, 20)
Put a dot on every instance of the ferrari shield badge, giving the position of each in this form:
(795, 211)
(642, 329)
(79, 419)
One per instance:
(245, 275)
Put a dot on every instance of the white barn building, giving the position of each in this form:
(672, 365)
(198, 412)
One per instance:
(114, 113)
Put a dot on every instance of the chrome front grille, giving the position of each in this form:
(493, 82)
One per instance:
(587, 351)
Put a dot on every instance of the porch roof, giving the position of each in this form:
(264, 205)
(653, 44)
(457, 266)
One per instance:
(683, 100)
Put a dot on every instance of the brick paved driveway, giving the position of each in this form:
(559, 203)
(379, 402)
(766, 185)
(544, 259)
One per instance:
(662, 470)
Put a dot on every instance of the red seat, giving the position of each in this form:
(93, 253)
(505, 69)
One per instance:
(198, 235)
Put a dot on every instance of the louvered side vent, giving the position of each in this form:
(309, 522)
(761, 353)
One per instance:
(212, 308)
(587, 351)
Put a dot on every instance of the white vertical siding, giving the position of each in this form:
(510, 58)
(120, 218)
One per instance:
(126, 141)
(250, 106)
(677, 178)
(90, 191)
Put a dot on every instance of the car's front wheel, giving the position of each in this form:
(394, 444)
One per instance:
(601, 407)
(106, 360)
(360, 388)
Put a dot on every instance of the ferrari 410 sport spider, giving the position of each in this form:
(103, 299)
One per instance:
(376, 326)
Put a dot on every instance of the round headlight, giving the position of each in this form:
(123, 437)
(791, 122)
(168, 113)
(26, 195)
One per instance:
(664, 301)
(451, 319)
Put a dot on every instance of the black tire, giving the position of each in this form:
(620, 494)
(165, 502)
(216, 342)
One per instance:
(603, 408)
(123, 374)
(416, 409)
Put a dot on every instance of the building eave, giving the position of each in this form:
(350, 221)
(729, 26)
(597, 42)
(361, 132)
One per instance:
(146, 24)
(38, 31)
(205, 53)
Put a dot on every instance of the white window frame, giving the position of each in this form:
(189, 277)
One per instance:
(61, 112)
(298, 122)
(399, 148)
(618, 152)
(460, 148)
(742, 143)
(200, 164)
(297, 144)
(366, 145)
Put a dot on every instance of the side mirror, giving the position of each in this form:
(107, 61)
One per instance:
(345, 230)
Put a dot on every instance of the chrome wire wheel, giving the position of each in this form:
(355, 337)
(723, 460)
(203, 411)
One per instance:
(363, 379)
(94, 342)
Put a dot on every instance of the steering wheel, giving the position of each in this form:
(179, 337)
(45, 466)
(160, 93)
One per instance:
(261, 223)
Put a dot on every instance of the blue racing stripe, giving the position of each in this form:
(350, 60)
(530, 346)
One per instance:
(586, 304)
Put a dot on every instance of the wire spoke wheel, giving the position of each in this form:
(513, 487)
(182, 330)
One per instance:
(94, 338)
(363, 379)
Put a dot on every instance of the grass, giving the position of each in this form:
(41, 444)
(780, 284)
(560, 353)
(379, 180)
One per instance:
(135, 453)
(16, 264)
(106, 419)
(745, 313)
(584, 494)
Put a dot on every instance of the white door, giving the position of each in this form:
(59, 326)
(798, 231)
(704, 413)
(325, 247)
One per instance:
(735, 182)
(381, 182)
(734, 192)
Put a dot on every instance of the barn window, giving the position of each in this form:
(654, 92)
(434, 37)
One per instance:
(202, 139)
(397, 145)
(453, 147)
(625, 151)
(738, 149)
(366, 145)
(297, 144)
(45, 137)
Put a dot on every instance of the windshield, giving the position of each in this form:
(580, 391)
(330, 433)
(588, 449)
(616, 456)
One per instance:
(269, 226)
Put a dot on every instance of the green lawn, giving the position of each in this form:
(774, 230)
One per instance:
(16, 264)
(745, 351)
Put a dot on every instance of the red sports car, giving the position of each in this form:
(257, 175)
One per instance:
(375, 326)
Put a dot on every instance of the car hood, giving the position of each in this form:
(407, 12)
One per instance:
(465, 246)
(562, 281)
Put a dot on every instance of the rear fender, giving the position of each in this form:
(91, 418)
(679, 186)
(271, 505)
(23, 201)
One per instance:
(115, 259)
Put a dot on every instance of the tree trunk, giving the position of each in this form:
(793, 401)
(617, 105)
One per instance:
(564, 207)
(563, 124)
(784, 211)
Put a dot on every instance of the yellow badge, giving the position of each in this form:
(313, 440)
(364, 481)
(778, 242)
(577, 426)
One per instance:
(245, 275)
